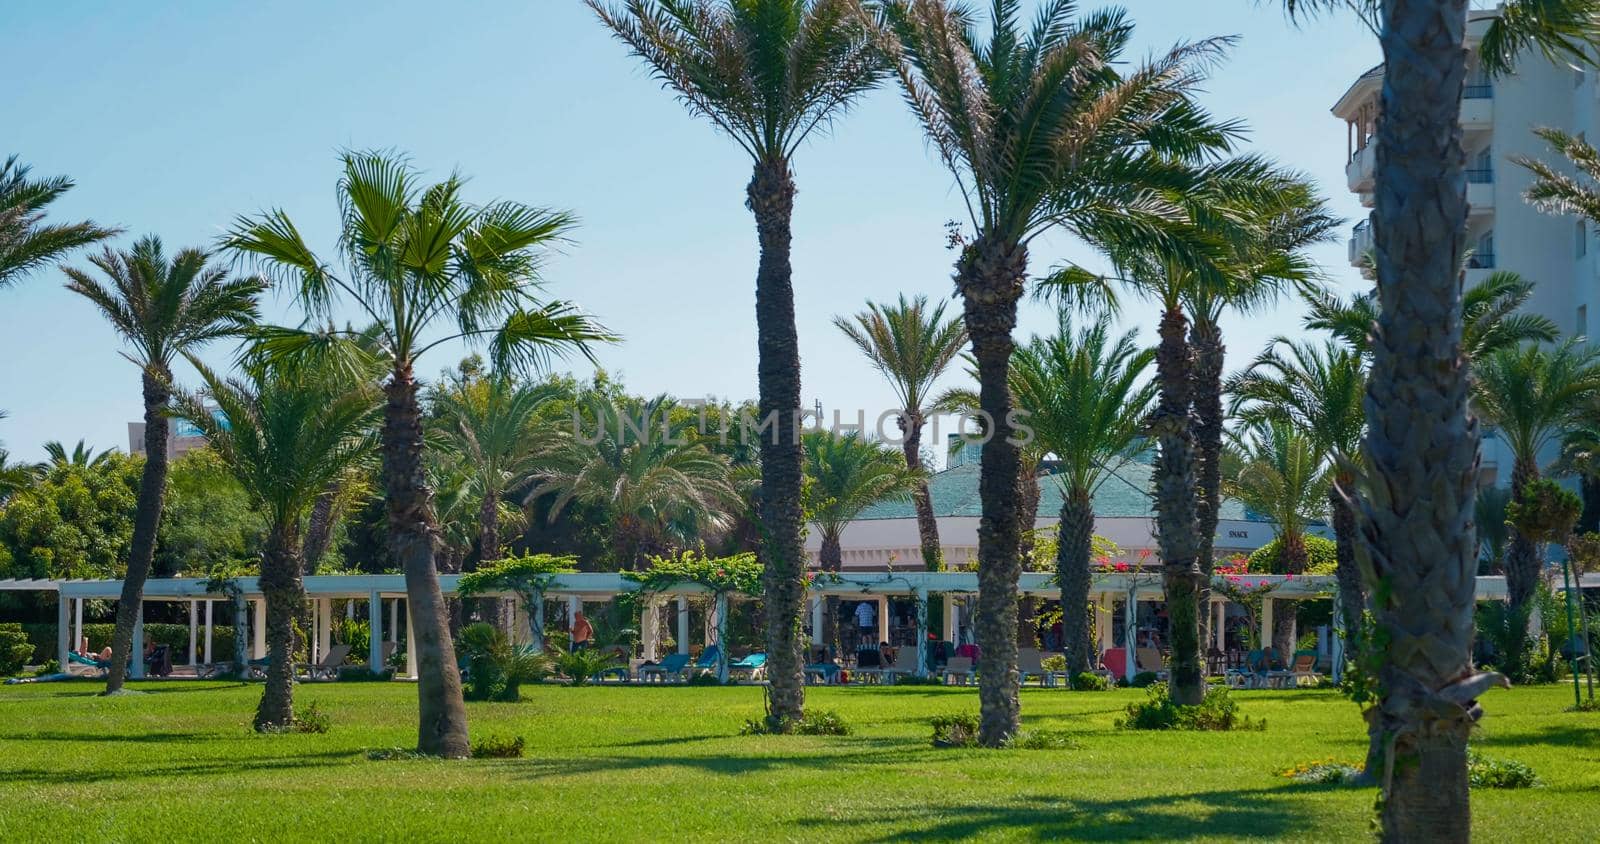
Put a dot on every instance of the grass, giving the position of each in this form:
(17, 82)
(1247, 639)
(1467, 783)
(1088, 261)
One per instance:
(180, 763)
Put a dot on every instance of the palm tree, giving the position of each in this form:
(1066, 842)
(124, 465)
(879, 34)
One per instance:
(80, 457)
(1279, 471)
(847, 474)
(1318, 389)
(162, 308)
(26, 241)
(1491, 317)
(767, 73)
(1086, 406)
(415, 258)
(1531, 395)
(14, 477)
(287, 435)
(662, 490)
(1421, 442)
(1041, 130)
(1494, 532)
(912, 346)
(1555, 192)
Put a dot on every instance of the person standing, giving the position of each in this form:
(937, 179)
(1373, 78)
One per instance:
(867, 621)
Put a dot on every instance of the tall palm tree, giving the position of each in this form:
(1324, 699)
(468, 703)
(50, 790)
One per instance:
(1292, 219)
(1279, 471)
(767, 73)
(1042, 130)
(1531, 395)
(1086, 405)
(848, 473)
(1421, 442)
(1555, 192)
(490, 426)
(632, 459)
(1491, 317)
(14, 476)
(912, 346)
(417, 258)
(81, 456)
(287, 435)
(27, 242)
(162, 308)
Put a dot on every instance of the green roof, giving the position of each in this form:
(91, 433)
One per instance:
(1123, 495)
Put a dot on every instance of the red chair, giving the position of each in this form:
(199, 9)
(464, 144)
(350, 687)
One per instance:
(1116, 661)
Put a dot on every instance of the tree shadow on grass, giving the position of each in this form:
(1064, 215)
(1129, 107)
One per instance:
(1562, 735)
(715, 763)
(1235, 814)
(206, 769)
(96, 738)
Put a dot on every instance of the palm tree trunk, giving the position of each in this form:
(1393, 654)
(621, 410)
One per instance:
(1283, 626)
(770, 197)
(281, 584)
(990, 278)
(927, 525)
(1589, 518)
(1177, 526)
(1416, 524)
(1028, 488)
(157, 383)
(830, 558)
(319, 528)
(1347, 572)
(1073, 548)
(1209, 353)
(1523, 564)
(497, 611)
(413, 538)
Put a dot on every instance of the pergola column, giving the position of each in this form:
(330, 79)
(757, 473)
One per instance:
(1130, 634)
(324, 629)
(816, 620)
(574, 606)
(63, 633)
(1336, 647)
(683, 624)
(77, 614)
(194, 632)
(1219, 614)
(922, 632)
(883, 618)
(720, 608)
(411, 645)
(136, 658)
(1102, 625)
(650, 630)
(394, 620)
(374, 632)
(951, 620)
(210, 608)
(260, 631)
(1266, 624)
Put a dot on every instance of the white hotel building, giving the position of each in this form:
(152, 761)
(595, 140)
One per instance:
(1498, 117)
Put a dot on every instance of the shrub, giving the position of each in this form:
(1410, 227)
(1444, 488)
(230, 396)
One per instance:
(823, 723)
(1587, 705)
(497, 748)
(1042, 740)
(495, 669)
(1055, 663)
(1144, 679)
(395, 754)
(363, 674)
(1158, 712)
(1323, 772)
(704, 680)
(15, 649)
(1487, 772)
(312, 719)
(960, 730)
(914, 680)
(1321, 556)
(581, 665)
(1088, 681)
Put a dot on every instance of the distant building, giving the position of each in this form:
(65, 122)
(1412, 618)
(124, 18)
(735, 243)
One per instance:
(185, 437)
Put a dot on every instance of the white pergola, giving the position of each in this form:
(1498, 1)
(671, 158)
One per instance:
(384, 594)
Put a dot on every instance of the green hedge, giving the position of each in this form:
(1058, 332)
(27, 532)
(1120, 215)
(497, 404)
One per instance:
(175, 636)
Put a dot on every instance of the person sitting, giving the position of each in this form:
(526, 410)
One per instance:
(582, 631)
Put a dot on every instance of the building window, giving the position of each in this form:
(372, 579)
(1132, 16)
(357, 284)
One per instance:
(1479, 86)
(1580, 244)
(1481, 172)
(1482, 257)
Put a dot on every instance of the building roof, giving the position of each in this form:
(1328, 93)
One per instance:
(1126, 494)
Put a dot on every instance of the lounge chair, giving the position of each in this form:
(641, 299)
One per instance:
(87, 662)
(669, 668)
(1277, 673)
(706, 664)
(1030, 664)
(623, 672)
(905, 664)
(826, 673)
(1304, 668)
(1244, 677)
(957, 671)
(753, 667)
(328, 668)
(1149, 659)
(1116, 661)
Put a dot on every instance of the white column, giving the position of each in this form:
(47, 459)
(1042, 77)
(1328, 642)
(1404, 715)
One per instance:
(194, 632)
(683, 624)
(375, 631)
(536, 624)
(816, 619)
(922, 632)
(1336, 647)
(713, 621)
(260, 629)
(136, 663)
(241, 632)
(1130, 635)
(350, 610)
(1219, 616)
(63, 633)
(949, 618)
(210, 604)
(955, 621)
(394, 620)
(1266, 624)
(411, 645)
(650, 630)
(324, 628)
(1102, 626)
(720, 607)
(574, 606)
(883, 619)
(77, 614)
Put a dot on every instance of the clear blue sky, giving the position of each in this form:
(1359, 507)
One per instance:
(175, 117)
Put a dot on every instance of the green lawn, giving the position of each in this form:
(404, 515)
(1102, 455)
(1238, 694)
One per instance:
(651, 763)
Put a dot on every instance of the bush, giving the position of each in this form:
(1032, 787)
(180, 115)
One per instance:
(395, 754)
(581, 665)
(1055, 663)
(1323, 772)
(959, 730)
(1158, 712)
(1042, 740)
(312, 719)
(824, 723)
(703, 680)
(1144, 679)
(363, 674)
(914, 680)
(1587, 705)
(1088, 681)
(497, 748)
(1487, 772)
(495, 669)
(15, 649)
(1321, 556)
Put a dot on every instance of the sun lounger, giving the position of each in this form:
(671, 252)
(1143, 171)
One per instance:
(957, 671)
(328, 668)
(1304, 668)
(905, 663)
(753, 667)
(826, 673)
(668, 669)
(1030, 665)
(706, 664)
(88, 663)
(1149, 659)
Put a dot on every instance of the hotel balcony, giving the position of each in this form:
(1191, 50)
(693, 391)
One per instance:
(1477, 108)
(1360, 245)
(1480, 193)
